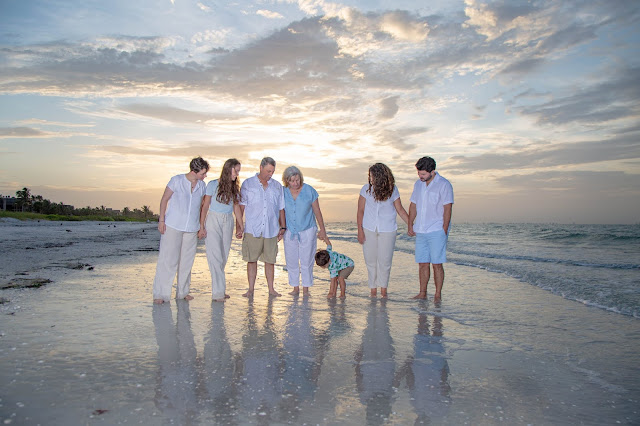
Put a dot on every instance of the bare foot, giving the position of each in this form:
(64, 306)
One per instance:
(305, 291)
(158, 301)
(274, 293)
(342, 296)
(330, 296)
(420, 295)
(437, 297)
(188, 297)
(219, 300)
(383, 292)
(226, 296)
(295, 291)
(374, 292)
(248, 294)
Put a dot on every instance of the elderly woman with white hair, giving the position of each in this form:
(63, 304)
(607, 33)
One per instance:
(302, 212)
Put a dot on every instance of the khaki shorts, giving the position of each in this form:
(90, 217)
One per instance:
(344, 273)
(259, 248)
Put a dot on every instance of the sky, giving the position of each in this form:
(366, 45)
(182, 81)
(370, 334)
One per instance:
(531, 109)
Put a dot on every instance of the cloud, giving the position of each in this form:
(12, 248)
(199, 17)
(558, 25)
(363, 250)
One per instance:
(617, 148)
(269, 14)
(176, 115)
(389, 107)
(22, 132)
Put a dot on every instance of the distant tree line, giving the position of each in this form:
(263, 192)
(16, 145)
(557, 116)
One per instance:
(27, 202)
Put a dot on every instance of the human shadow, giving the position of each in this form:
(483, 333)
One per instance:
(177, 375)
(427, 370)
(375, 365)
(219, 369)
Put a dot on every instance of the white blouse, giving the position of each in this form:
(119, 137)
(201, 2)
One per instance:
(379, 215)
(183, 211)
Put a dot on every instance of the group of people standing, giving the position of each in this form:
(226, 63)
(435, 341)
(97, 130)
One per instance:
(266, 212)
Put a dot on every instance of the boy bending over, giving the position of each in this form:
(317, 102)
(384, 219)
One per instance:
(340, 267)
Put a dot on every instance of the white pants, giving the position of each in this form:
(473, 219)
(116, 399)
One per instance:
(177, 253)
(378, 254)
(219, 228)
(300, 256)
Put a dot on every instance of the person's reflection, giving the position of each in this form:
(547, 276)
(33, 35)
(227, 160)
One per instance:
(375, 364)
(427, 371)
(177, 374)
(260, 367)
(219, 368)
(304, 350)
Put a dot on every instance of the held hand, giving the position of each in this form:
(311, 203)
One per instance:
(361, 238)
(239, 232)
(280, 234)
(411, 232)
(202, 233)
(322, 235)
(162, 227)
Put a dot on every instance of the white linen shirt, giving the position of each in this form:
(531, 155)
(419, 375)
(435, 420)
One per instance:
(262, 207)
(430, 201)
(379, 215)
(183, 212)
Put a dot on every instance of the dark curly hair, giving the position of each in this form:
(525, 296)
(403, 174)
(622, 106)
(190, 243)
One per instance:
(381, 182)
(228, 189)
(322, 257)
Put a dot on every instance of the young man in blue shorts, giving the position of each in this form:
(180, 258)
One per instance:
(430, 209)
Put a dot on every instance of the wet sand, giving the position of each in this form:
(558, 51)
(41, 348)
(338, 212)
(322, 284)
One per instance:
(91, 348)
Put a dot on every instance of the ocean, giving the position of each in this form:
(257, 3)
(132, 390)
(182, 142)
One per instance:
(598, 265)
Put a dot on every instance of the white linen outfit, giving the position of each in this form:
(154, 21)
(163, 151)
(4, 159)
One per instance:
(178, 243)
(300, 239)
(262, 207)
(219, 226)
(380, 230)
(430, 201)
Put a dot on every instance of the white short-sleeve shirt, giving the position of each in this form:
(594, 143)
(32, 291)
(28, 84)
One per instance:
(262, 207)
(183, 211)
(430, 201)
(379, 215)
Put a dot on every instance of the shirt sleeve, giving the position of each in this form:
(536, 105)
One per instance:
(363, 191)
(173, 184)
(395, 194)
(414, 195)
(447, 194)
(243, 193)
(314, 194)
(281, 204)
(211, 186)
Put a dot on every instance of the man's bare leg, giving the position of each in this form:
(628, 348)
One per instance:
(423, 276)
(252, 272)
(438, 278)
(296, 290)
(269, 273)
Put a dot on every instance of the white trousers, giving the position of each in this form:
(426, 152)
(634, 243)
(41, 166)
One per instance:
(219, 228)
(378, 255)
(177, 253)
(300, 256)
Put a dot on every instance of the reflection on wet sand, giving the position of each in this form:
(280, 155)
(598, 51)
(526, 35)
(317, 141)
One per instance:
(260, 368)
(219, 369)
(427, 371)
(375, 364)
(177, 377)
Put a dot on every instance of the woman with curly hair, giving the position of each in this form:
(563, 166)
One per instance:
(222, 198)
(378, 204)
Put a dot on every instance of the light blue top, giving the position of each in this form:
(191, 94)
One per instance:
(217, 206)
(298, 212)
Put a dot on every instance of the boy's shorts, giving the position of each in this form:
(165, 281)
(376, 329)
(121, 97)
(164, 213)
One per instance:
(431, 247)
(344, 273)
(259, 248)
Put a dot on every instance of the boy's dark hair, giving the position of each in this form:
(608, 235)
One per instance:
(322, 257)
(426, 164)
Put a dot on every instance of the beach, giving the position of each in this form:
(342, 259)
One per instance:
(90, 347)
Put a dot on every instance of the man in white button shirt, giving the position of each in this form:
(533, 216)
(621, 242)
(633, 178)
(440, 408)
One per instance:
(430, 208)
(263, 206)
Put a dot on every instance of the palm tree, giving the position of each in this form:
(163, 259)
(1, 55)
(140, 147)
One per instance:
(146, 211)
(24, 198)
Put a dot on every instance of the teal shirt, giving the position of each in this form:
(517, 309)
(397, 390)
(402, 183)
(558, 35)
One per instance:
(298, 212)
(338, 262)
(217, 206)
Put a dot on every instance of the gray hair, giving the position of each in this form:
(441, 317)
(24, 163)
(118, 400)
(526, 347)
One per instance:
(267, 160)
(290, 172)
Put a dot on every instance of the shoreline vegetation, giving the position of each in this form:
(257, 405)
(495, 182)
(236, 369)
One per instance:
(73, 218)
(27, 206)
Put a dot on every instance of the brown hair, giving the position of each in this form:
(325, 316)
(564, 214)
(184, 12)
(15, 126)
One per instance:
(322, 257)
(228, 189)
(382, 181)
